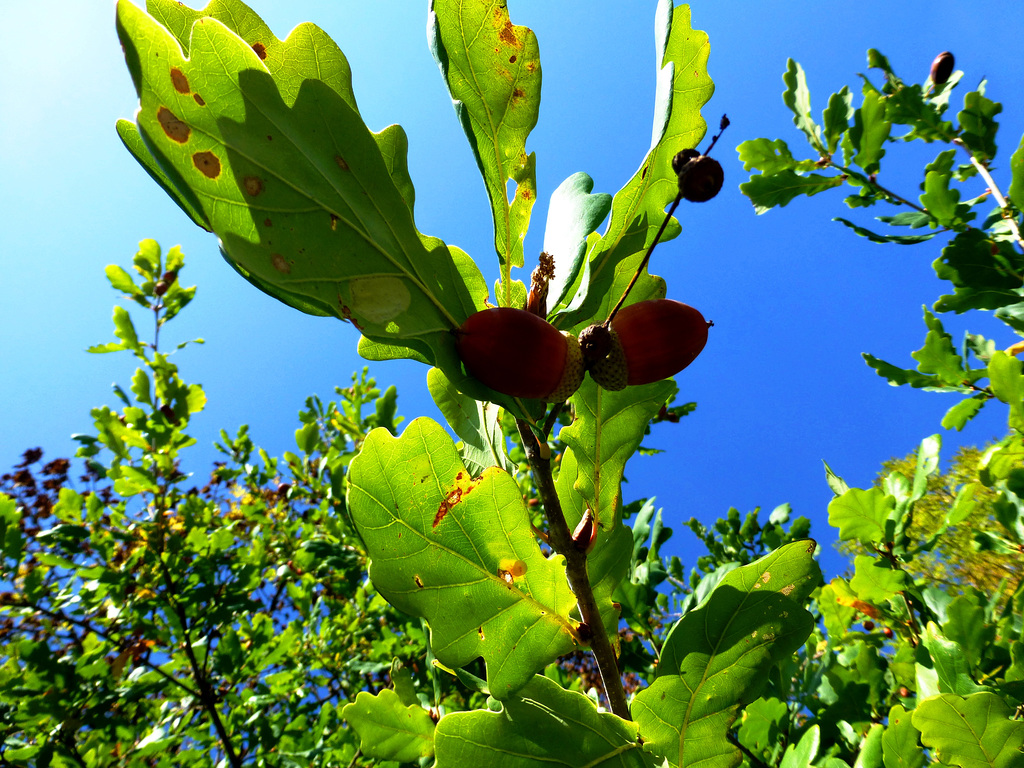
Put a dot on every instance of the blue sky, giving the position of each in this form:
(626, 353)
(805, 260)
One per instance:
(795, 297)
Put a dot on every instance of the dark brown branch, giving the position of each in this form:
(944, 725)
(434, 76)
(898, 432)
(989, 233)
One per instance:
(576, 571)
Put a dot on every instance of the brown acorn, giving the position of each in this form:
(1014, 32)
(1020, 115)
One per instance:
(700, 179)
(942, 67)
(650, 341)
(519, 354)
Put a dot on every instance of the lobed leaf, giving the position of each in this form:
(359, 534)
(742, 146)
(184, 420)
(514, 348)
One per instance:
(542, 726)
(716, 658)
(861, 514)
(900, 747)
(971, 732)
(388, 729)
(263, 139)
(492, 70)
(638, 209)
(798, 98)
(458, 551)
(779, 189)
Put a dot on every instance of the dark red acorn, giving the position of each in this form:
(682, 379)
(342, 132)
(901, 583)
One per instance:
(942, 67)
(651, 340)
(519, 354)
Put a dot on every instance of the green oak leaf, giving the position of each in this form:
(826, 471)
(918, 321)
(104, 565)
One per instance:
(1016, 189)
(952, 668)
(798, 98)
(475, 421)
(869, 132)
(771, 157)
(900, 747)
(638, 209)
(492, 70)
(762, 724)
(877, 238)
(458, 551)
(898, 377)
(967, 625)
(972, 732)
(978, 124)
(780, 189)
(542, 726)
(607, 431)
(573, 214)
(985, 273)
(716, 658)
(861, 514)
(837, 117)
(388, 729)
(874, 581)
(802, 754)
(938, 355)
(1007, 384)
(939, 200)
(263, 139)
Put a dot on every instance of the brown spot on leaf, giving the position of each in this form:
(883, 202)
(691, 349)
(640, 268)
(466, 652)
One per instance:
(518, 93)
(253, 185)
(418, 580)
(530, 66)
(179, 81)
(175, 129)
(261, 50)
(334, 221)
(199, 99)
(280, 264)
(480, 631)
(268, 223)
(643, 173)
(507, 34)
(341, 162)
(512, 59)
(207, 163)
(787, 589)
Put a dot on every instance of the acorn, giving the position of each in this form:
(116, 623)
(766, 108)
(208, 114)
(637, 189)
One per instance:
(520, 354)
(700, 178)
(649, 341)
(942, 67)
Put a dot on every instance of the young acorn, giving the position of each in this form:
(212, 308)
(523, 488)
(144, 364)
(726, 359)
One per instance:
(519, 354)
(647, 341)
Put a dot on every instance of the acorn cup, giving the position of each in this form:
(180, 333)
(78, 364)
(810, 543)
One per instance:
(645, 342)
(519, 354)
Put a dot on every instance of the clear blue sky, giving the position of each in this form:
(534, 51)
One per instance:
(795, 298)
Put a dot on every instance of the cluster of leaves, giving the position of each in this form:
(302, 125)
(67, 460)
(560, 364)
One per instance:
(151, 622)
(385, 598)
(982, 259)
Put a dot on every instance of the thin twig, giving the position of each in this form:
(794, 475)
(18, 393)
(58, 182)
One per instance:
(1003, 205)
(576, 572)
(647, 257)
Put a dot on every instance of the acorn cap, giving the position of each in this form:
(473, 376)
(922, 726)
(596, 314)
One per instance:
(572, 372)
(611, 372)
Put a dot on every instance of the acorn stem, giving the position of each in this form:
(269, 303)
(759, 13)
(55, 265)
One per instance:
(560, 538)
(647, 258)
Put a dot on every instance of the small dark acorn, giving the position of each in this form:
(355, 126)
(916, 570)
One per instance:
(160, 288)
(942, 67)
(585, 535)
(651, 340)
(519, 354)
(700, 179)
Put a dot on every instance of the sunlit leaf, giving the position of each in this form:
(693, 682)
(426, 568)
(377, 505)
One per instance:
(264, 137)
(458, 550)
(542, 726)
(861, 514)
(388, 729)
(779, 189)
(972, 732)
(638, 209)
(492, 70)
(900, 747)
(798, 98)
(716, 658)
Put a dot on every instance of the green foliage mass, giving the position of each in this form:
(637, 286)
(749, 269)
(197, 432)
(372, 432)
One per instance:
(378, 598)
